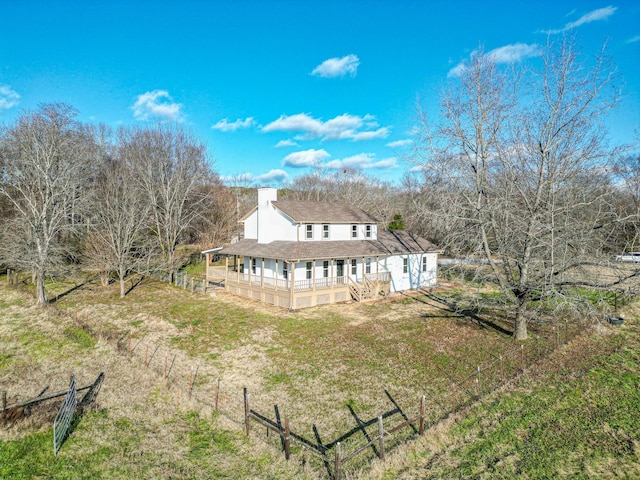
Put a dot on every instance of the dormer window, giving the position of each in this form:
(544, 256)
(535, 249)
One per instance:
(354, 231)
(325, 232)
(367, 231)
(309, 232)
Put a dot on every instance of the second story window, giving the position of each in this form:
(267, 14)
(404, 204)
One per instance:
(354, 231)
(325, 231)
(367, 231)
(309, 234)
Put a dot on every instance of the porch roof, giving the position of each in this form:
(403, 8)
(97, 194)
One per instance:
(388, 243)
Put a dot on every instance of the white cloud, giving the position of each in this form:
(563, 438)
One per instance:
(507, 54)
(275, 175)
(286, 143)
(514, 53)
(633, 39)
(246, 179)
(342, 127)
(337, 67)
(8, 97)
(362, 161)
(225, 125)
(157, 103)
(305, 158)
(399, 143)
(592, 16)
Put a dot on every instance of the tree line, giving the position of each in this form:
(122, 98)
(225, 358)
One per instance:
(517, 170)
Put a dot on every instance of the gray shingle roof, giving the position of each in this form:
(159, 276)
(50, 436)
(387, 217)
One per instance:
(322, 212)
(388, 243)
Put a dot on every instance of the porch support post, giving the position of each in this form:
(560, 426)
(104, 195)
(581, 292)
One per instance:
(363, 271)
(236, 262)
(226, 272)
(250, 270)
(275, 276)
(262, 273)
(331, 273)
(292, 284)
(313, 274)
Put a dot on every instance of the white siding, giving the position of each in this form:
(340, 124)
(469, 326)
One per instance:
(414, 277)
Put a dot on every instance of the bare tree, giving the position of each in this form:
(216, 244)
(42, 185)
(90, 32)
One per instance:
(171, 167)
(46, 155)
(119, 224)
(516, 157)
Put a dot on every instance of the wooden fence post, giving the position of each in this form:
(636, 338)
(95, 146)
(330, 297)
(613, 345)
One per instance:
(217, 394)
(381, 437)
(246, 411)
(421, 429)
(336, 462)
(287, 439)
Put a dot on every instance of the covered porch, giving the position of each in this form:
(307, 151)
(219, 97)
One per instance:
(301, 283)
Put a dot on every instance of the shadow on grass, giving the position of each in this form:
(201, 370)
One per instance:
(458, 312)
(71, 290)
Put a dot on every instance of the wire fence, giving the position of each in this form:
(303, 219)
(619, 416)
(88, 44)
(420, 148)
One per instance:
(369, 439)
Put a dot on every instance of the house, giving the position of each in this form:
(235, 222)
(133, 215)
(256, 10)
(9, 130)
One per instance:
(302, 254)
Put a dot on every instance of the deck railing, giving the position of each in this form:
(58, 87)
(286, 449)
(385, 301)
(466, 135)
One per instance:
(304, 284)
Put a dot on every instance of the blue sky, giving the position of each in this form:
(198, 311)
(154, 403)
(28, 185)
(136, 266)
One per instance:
(276, 87)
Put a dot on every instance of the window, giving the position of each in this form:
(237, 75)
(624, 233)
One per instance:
(367, 266)
(242, 268)
(325, 269)
(309, 270)
(309, 232)
(285, 270)
(367, 231)
(325, 231)
(424, 264)
(354, 231)
(253, 266)
(354, 266)
(405, 265)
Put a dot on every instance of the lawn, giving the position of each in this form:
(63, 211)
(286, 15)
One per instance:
(315, 364)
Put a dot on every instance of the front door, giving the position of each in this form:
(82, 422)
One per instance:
(340, 268)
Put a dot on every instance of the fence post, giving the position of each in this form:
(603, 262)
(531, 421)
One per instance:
(336, 462)
(381, 437)
(287, 439)
(421, 430)
(246, 411)
(217, 393)
(165, 366)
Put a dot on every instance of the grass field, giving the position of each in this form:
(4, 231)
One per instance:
(314, 364)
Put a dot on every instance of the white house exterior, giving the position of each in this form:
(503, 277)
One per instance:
(302, 254)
